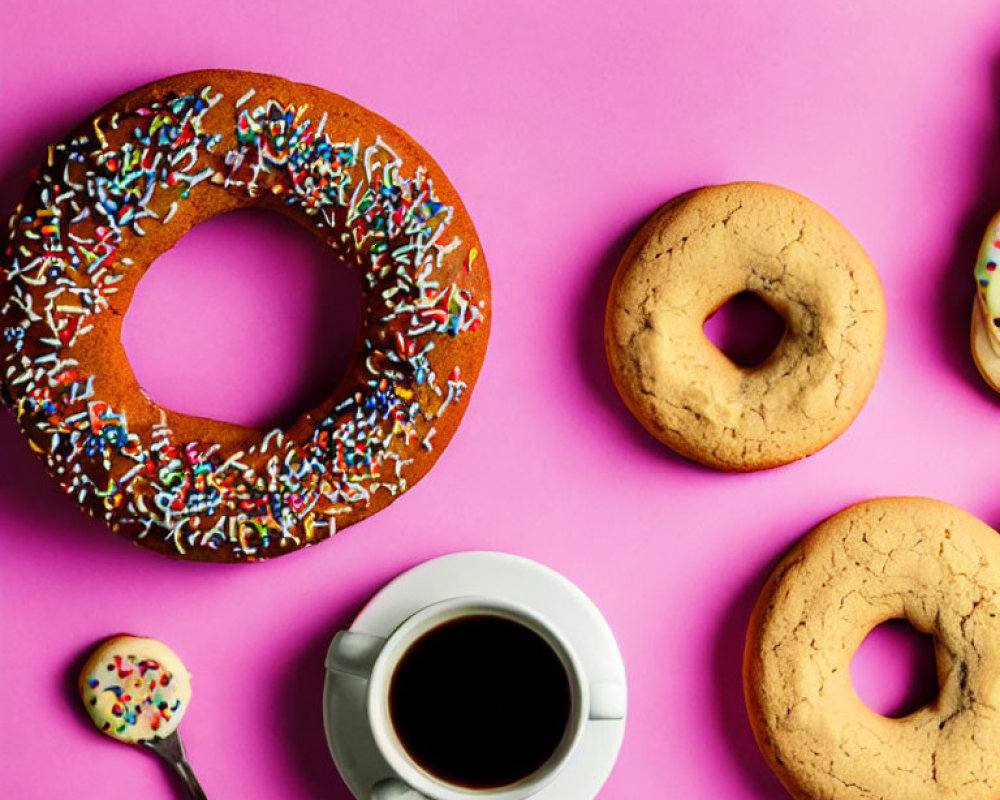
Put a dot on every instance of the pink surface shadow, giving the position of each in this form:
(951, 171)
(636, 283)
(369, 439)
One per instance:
(731, 719)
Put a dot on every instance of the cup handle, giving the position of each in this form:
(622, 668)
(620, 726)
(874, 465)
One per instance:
(354, 653)
(607, 700)
(395, 789)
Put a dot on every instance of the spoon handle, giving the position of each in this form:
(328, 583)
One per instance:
(171, 750)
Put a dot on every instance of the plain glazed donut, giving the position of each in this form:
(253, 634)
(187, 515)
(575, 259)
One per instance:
(693, 255)
(911, 558)
(120, 190)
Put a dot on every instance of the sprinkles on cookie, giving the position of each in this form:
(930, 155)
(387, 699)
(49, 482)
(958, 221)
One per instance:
(135, 689)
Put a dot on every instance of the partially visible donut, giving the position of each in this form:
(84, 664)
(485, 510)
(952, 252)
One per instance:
(985, 335)
(894, 558)
(120, 190)
(694, 254)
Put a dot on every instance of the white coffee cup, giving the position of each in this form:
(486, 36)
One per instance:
(375, 659)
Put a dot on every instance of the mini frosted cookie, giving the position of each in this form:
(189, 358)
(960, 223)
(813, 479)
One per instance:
(125, 186)
(135, 689)
(986, 307)
(697, 252)
(896, 558)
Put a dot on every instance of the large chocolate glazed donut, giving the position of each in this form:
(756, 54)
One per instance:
(123, 188)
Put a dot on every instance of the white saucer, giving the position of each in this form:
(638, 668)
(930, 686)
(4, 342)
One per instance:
(486, 574)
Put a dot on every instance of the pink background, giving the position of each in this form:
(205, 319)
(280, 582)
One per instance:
(563, 125)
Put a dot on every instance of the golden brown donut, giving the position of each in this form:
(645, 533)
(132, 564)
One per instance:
(895, 558)
(688, 260)
(124, 187)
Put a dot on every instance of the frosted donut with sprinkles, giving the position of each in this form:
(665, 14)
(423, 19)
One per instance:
(985, 333)
(123, 188)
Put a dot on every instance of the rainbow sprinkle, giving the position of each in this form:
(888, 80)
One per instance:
(128, 696)
(988, 288)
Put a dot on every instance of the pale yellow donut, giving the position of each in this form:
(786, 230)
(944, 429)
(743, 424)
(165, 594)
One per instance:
(923, 560)
(689, 259)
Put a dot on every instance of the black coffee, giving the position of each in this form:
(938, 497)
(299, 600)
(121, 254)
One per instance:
(480, 701)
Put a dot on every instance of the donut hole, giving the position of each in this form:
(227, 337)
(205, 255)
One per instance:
(746, 329)
(894, 670)
(248, 319)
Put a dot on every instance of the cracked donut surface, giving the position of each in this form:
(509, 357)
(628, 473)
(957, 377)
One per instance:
(911, 558)
(696, 253)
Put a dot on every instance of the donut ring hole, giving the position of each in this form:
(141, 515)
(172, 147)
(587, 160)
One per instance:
(894, 670)
(244, 299)
(746, 329)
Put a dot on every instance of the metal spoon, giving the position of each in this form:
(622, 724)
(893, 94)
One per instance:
(171, 750)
